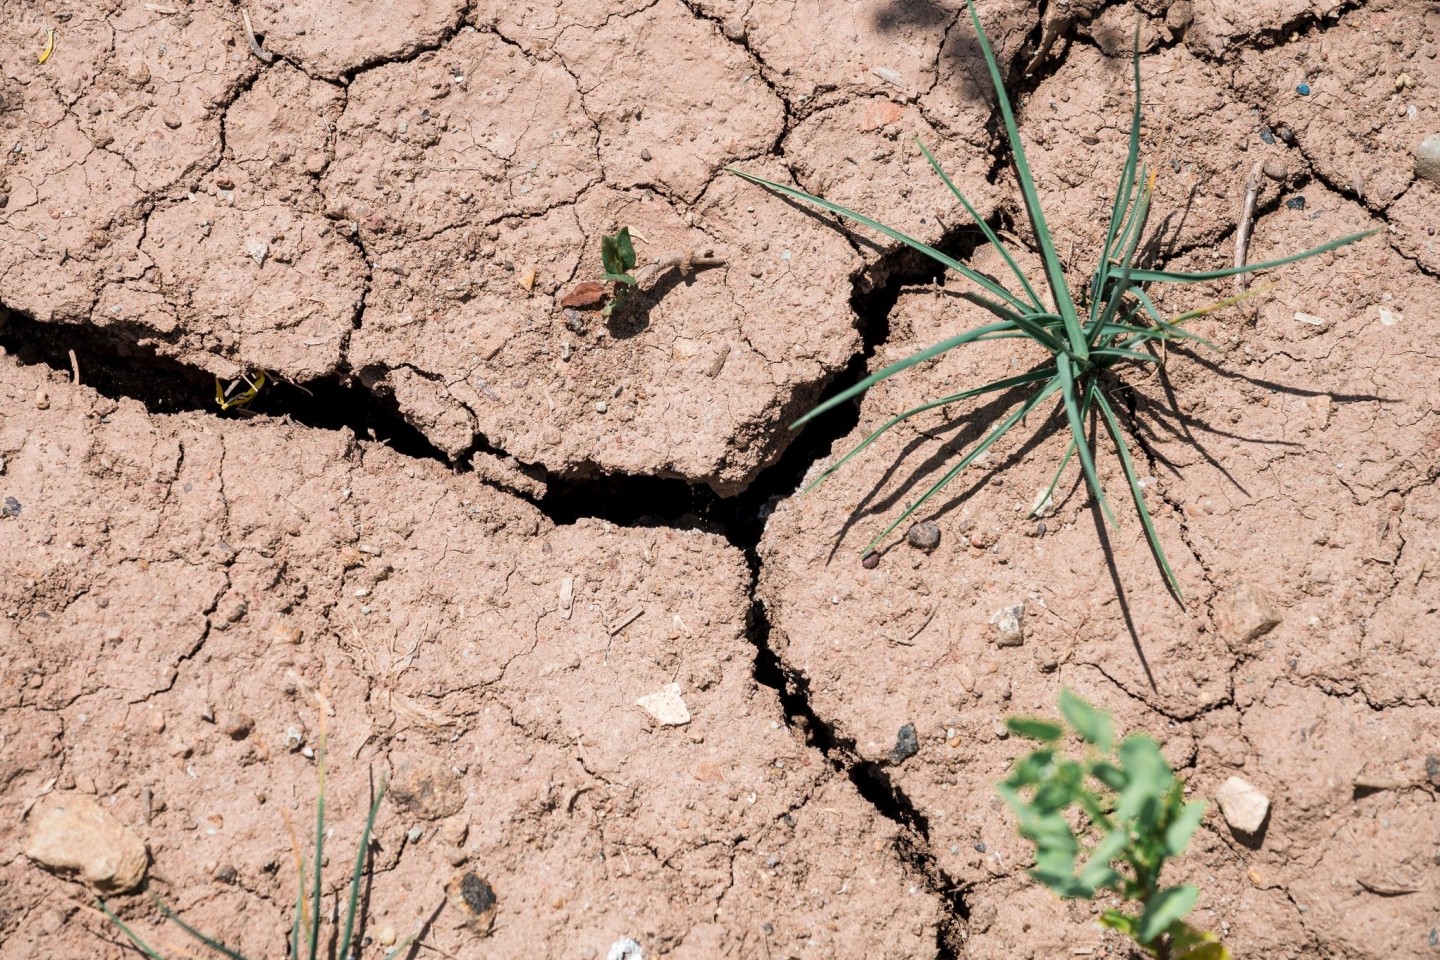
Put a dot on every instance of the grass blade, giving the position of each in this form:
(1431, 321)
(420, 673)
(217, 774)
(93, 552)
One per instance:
(1170, 276)
(998, 385)
(319, 848)
(210, 942)
(968, 336)
(1065, 374)
(358, 873)
(891, 232)
(1054, 270)
(1113, 426)
(990, 234)
(969, 458)
(130, 935)
(1132, 160)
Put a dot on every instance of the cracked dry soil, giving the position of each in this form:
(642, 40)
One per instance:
(483, 528)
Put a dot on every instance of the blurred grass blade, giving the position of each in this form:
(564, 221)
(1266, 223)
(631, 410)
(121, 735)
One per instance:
(990, 234)
(210, 942)
(998, 385)
(1054, 270)
(1132, 159)
(921, 356)
(969, 458)
(891, 232)
(359, 870)
(1170, 276)
(1113, 426)
(319, 848)
(130, 935)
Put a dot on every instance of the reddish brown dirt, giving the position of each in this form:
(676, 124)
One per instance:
(383, 210)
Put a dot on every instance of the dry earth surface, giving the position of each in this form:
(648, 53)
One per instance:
(464, 529)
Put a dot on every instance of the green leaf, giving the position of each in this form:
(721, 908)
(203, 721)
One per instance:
(1066, 376)
(1092, 725)
(1021, 380)
(1054, 270)
(968, 459)
(1183, 827)
(969, 336)
(1109, 774)
(1030, 769)
(1165, 908)
(625, 249)
(1168, 276)
(1147, 775)
(1033, 728)
(1112, 425)
(1097, 871)
(929, 251)
(1119, 922)
(610, 257)
(624, 278)
(990, 234)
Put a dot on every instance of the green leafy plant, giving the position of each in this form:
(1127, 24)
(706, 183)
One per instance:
(305, 930)
(1111, 322)
(617, 256)
(1132, 813)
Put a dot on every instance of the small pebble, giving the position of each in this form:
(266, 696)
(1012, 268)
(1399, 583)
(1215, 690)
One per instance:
(907, 744)
(1242, 805)
(924, 536)
(1296, 202)
(625, 949)
(237, 726)
(414, 834)
(601, 407)
(1303, 89)
(1008, 629)
(870, 561)
(1266, 136)
(1427, 159)
(10, 508)
(645, 155)
(1285, 134)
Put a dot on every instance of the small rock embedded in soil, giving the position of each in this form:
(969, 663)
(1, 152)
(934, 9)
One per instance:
(1008, 629)
(237, 726)
(474, 898)
(870, 561)
(666, 706)
(924, 536)
(1242, 805)
(258, 251)
(10, 508)
(428, 789)
(907, 744)
(1427, 158)
(625, 949)
(1245, 615)
(72, 833)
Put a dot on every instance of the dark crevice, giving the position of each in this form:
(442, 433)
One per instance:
(119, 361)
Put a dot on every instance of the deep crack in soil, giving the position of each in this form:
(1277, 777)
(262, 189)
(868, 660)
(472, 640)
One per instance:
(116, 364)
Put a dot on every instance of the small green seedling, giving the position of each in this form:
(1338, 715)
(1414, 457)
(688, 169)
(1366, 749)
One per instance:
(1112, 321)
(1132, 816)
(617, 255)
(305, 930)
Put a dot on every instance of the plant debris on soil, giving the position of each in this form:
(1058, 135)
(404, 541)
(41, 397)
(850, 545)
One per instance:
(547, 569)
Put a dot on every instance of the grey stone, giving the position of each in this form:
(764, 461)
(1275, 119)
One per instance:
(1242, 805)
(1427, 158)
(1009, 631)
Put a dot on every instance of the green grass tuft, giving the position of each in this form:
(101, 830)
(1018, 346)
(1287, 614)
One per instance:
(305, 928)
(1115, 321)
